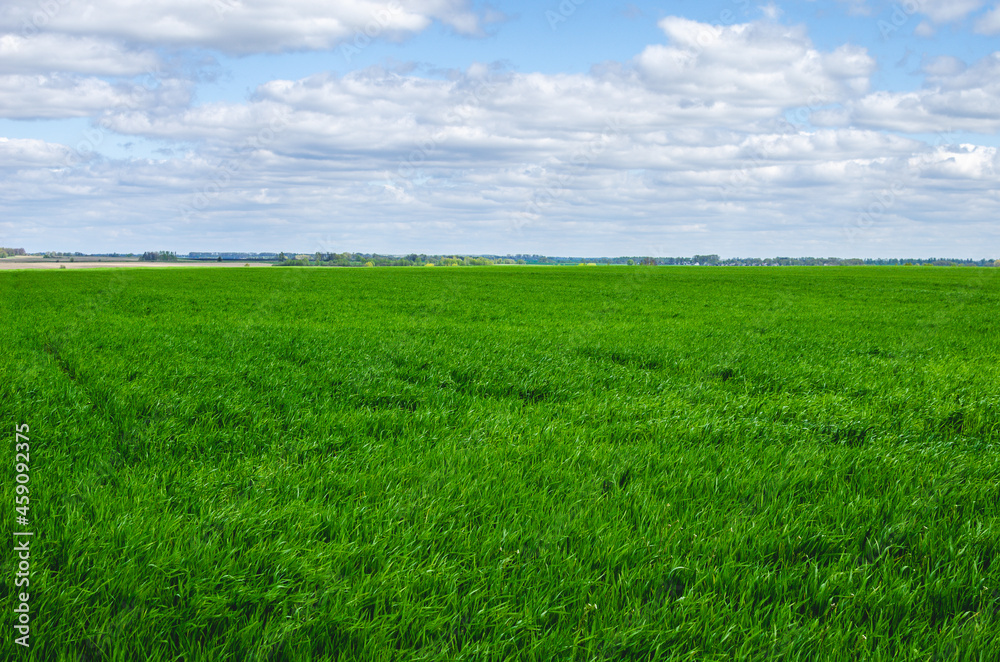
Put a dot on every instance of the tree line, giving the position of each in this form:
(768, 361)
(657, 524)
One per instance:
(376, 260)
(158, 256)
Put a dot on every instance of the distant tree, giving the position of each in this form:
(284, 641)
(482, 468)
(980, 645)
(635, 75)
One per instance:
(218, 259)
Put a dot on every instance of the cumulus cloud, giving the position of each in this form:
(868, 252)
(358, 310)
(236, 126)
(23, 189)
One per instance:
(741, 78)
(946, 11)
(771, 11)
(961, 162)
(857, 7)
(46, 53)
(955, 97)
(762, 65)
(59, 96)
(240, 26)
(989, 23)
(19, 153)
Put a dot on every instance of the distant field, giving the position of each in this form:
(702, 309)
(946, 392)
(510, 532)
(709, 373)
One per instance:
(484, 464)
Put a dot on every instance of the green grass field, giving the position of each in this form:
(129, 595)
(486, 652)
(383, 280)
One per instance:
(506, 463)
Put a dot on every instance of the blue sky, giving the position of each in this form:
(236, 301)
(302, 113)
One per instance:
(839, 128)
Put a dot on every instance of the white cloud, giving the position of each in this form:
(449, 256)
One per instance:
(989, 23)
(943, 66)
(739, 79)
(955, 98)
(63, 96)
(857, 7)
(18, 153)
(240, 26)
(962, 162)
(946, 11)
(48, 53)
(760, 65)
(771, 11)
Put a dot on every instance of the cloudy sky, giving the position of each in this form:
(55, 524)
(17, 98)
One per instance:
(851, 128)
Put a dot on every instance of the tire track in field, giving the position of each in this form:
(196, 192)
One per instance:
(82, 317)
(65, 366)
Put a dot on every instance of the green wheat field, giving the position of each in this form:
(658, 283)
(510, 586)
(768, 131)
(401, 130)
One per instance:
(506, 463)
